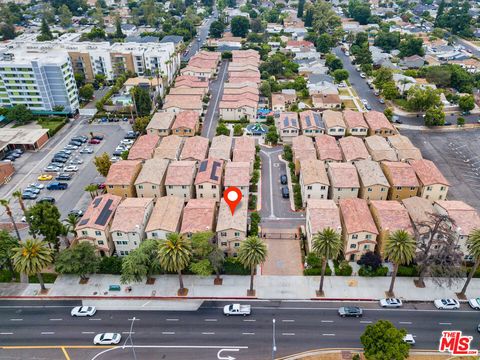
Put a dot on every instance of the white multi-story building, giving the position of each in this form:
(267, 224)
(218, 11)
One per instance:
(38, 79)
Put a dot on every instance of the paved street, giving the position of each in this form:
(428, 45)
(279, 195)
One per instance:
(201, 334)
(210, 123)
(202, 32)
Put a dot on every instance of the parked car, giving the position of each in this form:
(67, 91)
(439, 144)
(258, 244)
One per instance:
(107, 339)
(376, 93)
(86, 150)
(45, 177)
(283, 179)
(131, 135)
(68, 152)
(446, 304)
(59, 159)
(117, 153)
(62, 155)
(368, 107)
(71, 147)
(285, 192)
(408, 338)
(57, 186)
(64, 177)
(48, 199)
(76, 161)
(32, 190)
(447, 123)
(236, 309)
(75, 143)
(52, 168)
(127, 141)
(26, 195)
(83, 311)
(350, 311)
(82, 139)
(391, 303)
(70, 168)
(474, 303)
(114, 159)
(94, 141)
(76, 213)
(37, 185)
(98, 137)
(362, 75)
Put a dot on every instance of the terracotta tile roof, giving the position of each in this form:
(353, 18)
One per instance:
(240, 97)
(189, 78)
(379, 149)
(194, 148)
(240, 85)
(238, 104)
(130, 213)
(392, 216)
(325, 99)
(99, 213)
(370, 173)
(169, 147)
(353, 148)
(419, 209)
(333, 118)
(302, 142)
(238, 54)
(196, 91)
(465, 217)
(428, 173)
(142, 80)
(323, 214)
(190, 84)
(166, 214)
(327, 148)
(153, 171)
(400, 174)
(181, 173)
(237, 174)
(343, 175)
(404, 148)
(233, 66)
(221, 147)
(186, 119)
(184, 102)
(144, 147)
(237, 221)
(198, 215)
(210, 171)
(299, 43)
(354, 119)
(288, 120)
(313, 172)
(241, 90)
(123, 172)
(311, 120)
(161, 120)
(356, 216)
(208, 55)
(377, 120)
(243, 80)
(202, 63)
(244, 143)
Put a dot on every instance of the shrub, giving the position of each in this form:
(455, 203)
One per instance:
(370, 259)
(410, 271)
(252, 202)
(313, 261)
(110, 265)
(48, 278)
(343, 268)
(317, 271)
(232, 266)
(297, 196)
(257, 163)
(287, 153)
(368, 271)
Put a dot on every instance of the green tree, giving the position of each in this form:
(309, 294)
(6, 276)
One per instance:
(382, 76)
(217, 258)
(340, 75)
(80, 259)
(252, 253)
(411, 45)
(7, 244)
(387, 40)
(20, 114)
(31, 257)
(466, 103)
(140, 124)
(324, 19)
(390, 91)
(216, 29)
(7, 31)
(388, 112)
(272, 136)
(102, 163)
(309, 16)
(473, 245)
(92, 189)
(201, 267)
(400, 249)
(143, 103)
(222, 129)
(333, 63)
(359, 11)
(86, 92)
(420, 99)
(434, 116)
(301, 5)
(118, 28)
(239, 26)
(6, 204)
(327, 244)
(383, 341)
(71, 224)
(44, 219)
(460, 121)
(265, 89)
(324, 43)
(141, 263)
(439, 75)
(45, 33)
(65, 16)
(174, 254)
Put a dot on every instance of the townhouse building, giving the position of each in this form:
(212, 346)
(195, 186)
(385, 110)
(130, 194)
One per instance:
(314, 183)
(179, 180)
(355, 123)
(344, 183)
(166, 217)
(373, 183)
(231, 228)
(209, 179)
(199, 215)
(402, 179)
(320, 215)
(150, 182)
(433, 185)
(195, 148)
(121, 178)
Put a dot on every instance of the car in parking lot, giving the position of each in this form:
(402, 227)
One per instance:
(127, 141)
(56, 185)
(47, 199)
(86, 150)
(131, 135)
(76, 213)
(285, 192)
(446, 304)
(37, 185)
(71, 147)
(391, 303)
(350, 311)
(114, 159)
(52, 168)
(283, 179)
(26, 195)
(32, 190)
(64, 151)
(474, 303)
(75, 143)
(80, 138)
(98, 137)
(59, 159)
(64, 177)
(107, 339)
(94, 141)
(45, 177)
(117, 153)
(83, 311)
(70, 168)
(76, 161)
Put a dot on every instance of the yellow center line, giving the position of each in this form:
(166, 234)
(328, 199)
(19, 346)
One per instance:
(65, 353)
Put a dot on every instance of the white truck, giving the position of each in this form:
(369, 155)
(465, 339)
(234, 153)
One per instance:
(236, 309)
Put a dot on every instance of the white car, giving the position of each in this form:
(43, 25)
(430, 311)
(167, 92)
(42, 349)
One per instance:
(342, 84)
(446, 304)
(409, 339)
(37, 185)
(107, 339)
(474, 303)
(70, 168)
(364, 101)
(83, 311)
(127, 141)
(363, 76)
(391, 303)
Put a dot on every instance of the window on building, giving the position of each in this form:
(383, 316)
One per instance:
(100, 242)
(223, 233)
(84, 232)
(354, 236)
(119, 234)
(223, 243)
(98, 233)
(365, 247)
(368, 237)
(237, 233)
(309, 187)
(353, 246)
(237, 244)
(154, 234)
(140, 186)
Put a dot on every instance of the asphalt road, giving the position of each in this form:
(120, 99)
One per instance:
(202, 32)
(200, 334)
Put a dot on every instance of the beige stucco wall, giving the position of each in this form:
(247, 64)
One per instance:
(186, 193)
(150, 190)
(361, 242)
(343, 193)
(433, 192)
(230, 238)
(208, 191)
(377, 192)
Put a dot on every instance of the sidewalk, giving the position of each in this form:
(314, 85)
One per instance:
(235, 287)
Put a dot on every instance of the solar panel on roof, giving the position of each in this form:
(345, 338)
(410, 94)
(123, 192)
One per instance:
(215, 166)
(96, 201)
(316, 118)
(203, 165)
(285, 121)
(105, 213)
(307, 120)
(294, 122)
(83, 222)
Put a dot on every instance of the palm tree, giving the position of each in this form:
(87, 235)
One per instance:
(174, 254)
(327, 245)
(71, 224)
(252, 253)
(400, 249)
(5, 203)
(92, 189)
(31, 257)
(473, 244)
(18, 195)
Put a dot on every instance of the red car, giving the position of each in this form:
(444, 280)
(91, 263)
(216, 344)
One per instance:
(94, 141)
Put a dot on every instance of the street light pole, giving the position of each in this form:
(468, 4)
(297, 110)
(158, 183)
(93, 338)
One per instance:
(129, 337)
(274, 344)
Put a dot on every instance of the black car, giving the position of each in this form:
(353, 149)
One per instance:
(61, 156)
(75, 143)
(285, 192)
(117, 153)
(283, 179)
(76, 213)
(131, 135)
(82, 139)
(48, 199)
(98, 137)
(59, 159)
(64, 177)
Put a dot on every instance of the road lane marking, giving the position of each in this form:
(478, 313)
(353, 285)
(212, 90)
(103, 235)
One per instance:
(328, 334)
(47, 333)
(288, 320)
(168, 332)
(327, 321)
(444, 323)
(171, 319)
(405, 322)
(288, 334)
(88, 332)
(211, 320)
(128, 332)
(67, 357)
(248, 333)
(134, 319)
(6, 333)
(208, 333)
(16, 319)
(96, 319)
(249, 320)
(55, 319)
(365, 322)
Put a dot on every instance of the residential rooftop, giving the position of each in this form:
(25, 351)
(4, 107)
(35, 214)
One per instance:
(153, 171)
(392, 216)
(144, 147)
(353, 148)
(354, 119)
(323, 214)
(194, 148)
(123, 172)
(313, 172)
(428, 173)
(99, 213)
(181, 173)
(370, 173)
(333, 119)
(327, 148)
(343, 175)
(237, 221)
(166, 214)
(237, 174)
(379, 148)
(210, 171)
(198, 215)
(400, 174)
(356, 216)
(130, 213)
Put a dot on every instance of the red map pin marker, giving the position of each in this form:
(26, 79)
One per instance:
(232, 197)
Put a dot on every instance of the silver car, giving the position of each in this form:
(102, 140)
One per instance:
(391, 303)
(83, 311)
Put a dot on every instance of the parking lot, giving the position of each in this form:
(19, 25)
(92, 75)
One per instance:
(32, 164)
(457, 155)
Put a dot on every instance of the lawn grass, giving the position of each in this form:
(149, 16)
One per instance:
(53, 126)
(343, 92)
(349, 104)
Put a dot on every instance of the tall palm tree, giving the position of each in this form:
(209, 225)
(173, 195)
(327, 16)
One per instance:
(473, 244)
(71, 223)
(174, 254)
(252, 253)
(18, 195)
(31, 257)
(400, 249)
(92, 189)
(327, 245)
(6, 204)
